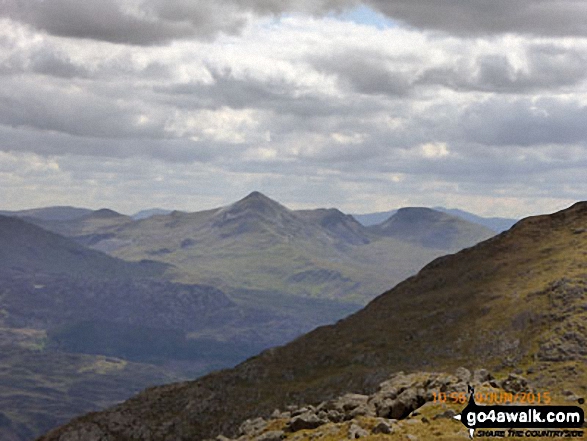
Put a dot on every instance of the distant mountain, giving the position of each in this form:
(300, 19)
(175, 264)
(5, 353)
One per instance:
(342, 226)
(515, 301)
(497, 224)
(370, 219)
(50, 213)
(30, 250)
(144, 214)
(432, 229)
(258, 244)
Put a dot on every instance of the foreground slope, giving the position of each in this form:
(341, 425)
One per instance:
(514, 301)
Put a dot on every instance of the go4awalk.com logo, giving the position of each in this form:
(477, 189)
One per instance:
(522, 421)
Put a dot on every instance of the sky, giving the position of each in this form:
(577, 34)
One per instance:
(364, 106)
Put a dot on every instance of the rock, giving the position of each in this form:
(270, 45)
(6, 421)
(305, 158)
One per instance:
(408, 401)
(305, 421)
(514, 383)
(382, 427)
(271, 435)
(351, 401)
(381, 404)
(362, 410)
(300, 411)
(463, 374)
(412, 437)
(335, 416)
(252, 427)
(446, 414)
(481, 376)
(356, 431)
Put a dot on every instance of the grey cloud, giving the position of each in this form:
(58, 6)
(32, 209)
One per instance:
(49, 63)
(48, 143)
(156, 21)
(364, 72)
(525, 123)
(548, 67)
(482, 17)
(78, 112)
(277, 96)
(150, 21)
(109, 20)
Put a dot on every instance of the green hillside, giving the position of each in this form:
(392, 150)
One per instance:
(515, 301)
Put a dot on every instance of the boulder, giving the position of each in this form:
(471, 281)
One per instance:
(356, 431)
(253, 427)
(271, 435)
(305, 421)
(382, 427)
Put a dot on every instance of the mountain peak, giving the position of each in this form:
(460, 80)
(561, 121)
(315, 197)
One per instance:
(254, 213)
(104, 213)
(431, 228)
(419, 214)
(256, 201)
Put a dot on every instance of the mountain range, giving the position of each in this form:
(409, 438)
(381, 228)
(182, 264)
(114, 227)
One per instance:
(257, 244)
(96, 305)
(515, 301)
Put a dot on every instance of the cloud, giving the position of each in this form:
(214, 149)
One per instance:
(526, 122)
(150, 22)
(147, 22)
(320, 106)
(513, 66)
(483, 17)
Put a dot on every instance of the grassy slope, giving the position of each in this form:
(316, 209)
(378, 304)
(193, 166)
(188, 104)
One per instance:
(28, 249)
(495, 305)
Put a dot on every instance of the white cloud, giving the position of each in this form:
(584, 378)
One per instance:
(290, 104)
(434, 150)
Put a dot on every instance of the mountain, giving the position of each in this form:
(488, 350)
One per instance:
(515, 301)
(257, 244)
(80, 330)
(341, 226)
(50, 213)
(370, 219)
(28, 249)
(144, 214)
(497, 224)
(431, 229)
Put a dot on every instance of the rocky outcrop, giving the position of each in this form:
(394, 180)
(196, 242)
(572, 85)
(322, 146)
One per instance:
(398, 400)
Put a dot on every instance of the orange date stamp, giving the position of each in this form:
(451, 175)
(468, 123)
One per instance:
(500, 397)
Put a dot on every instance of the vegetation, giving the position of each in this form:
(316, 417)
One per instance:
(513, 302)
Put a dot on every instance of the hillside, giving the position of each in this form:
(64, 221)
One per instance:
(81, 330)
(28, 249)
(257, 244)
(497, 224)
(50, 213)
(516, 301)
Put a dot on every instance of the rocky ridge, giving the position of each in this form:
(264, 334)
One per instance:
(405, 406)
